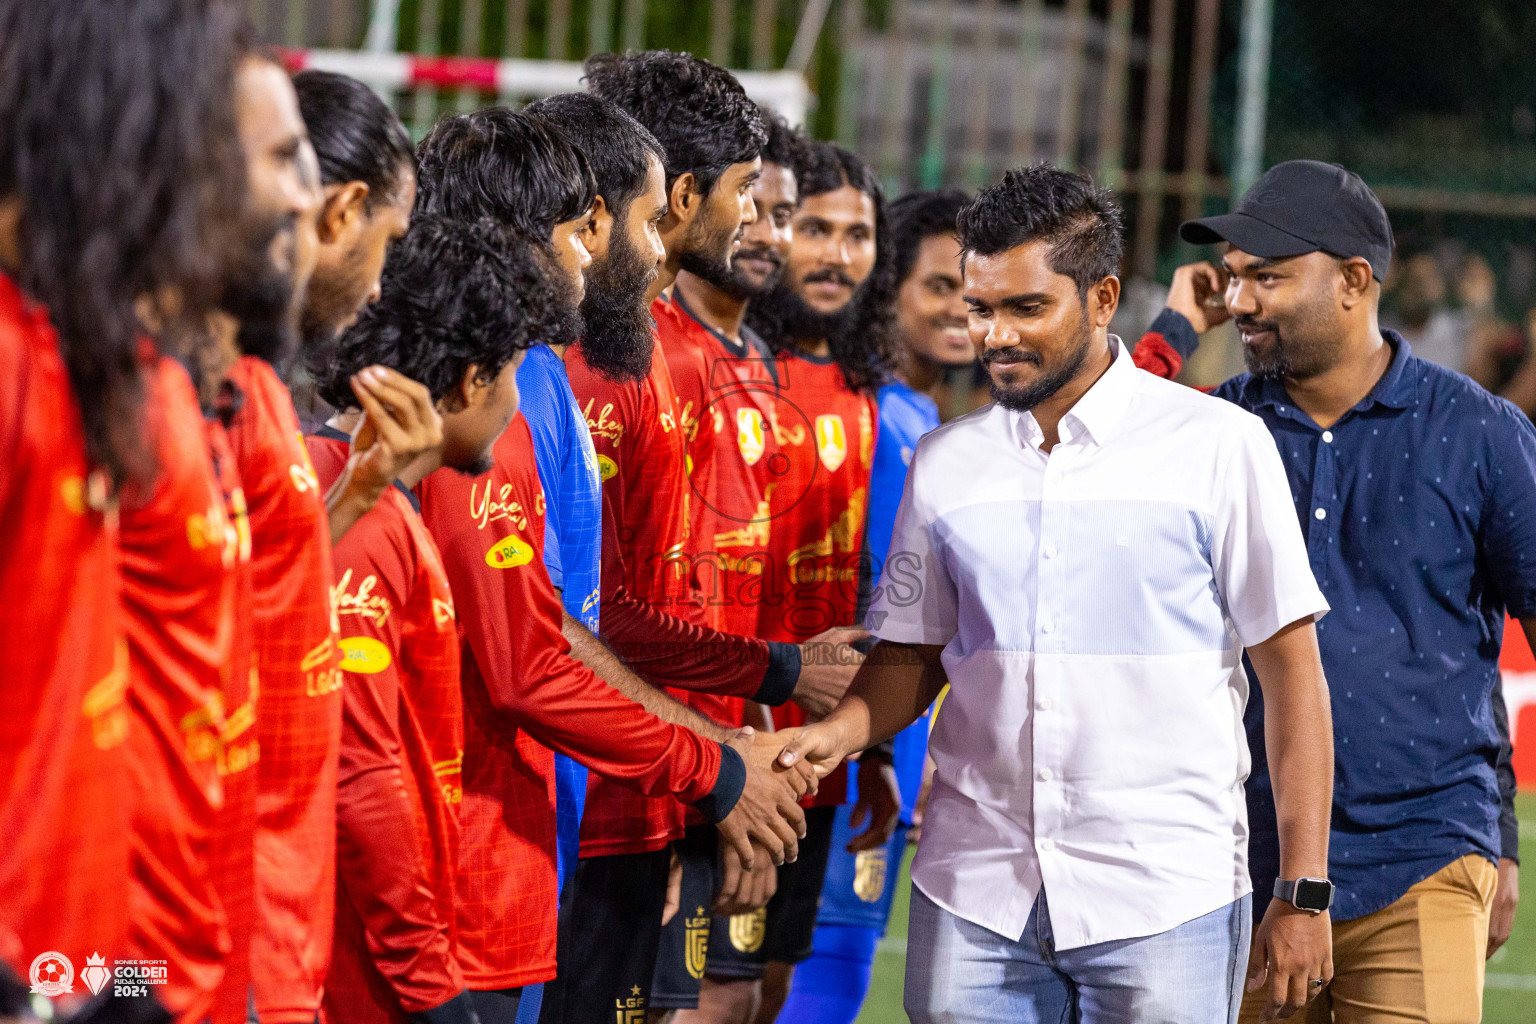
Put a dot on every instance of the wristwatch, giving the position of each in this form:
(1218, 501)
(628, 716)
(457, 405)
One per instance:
(1314, 895)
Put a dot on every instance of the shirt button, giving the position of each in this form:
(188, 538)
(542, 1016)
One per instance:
(1046, 845)
(1045, 703)
(1045, 775)
(1328, 437)
(1048, 626)
(1049, 551)
(1321, 513)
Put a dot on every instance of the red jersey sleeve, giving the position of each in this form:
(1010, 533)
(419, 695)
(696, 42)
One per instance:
(381, 822)
(510, 618)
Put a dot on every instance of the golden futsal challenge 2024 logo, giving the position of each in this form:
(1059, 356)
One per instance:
(53, 975)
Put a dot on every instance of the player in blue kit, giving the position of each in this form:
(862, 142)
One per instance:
(856, 895)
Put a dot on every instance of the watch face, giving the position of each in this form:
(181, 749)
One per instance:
(1313, 894)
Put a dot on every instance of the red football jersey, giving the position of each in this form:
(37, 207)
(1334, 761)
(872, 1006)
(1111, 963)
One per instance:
(523, 694)
(180, 552)
(63, 666)
(818, 507)
(653, 613)
(298, 710)
(725, 397)
(233, 855)
(402, 751)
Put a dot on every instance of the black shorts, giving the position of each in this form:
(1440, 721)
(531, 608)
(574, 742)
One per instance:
(740, 946)
(610, 924)
(685, 939)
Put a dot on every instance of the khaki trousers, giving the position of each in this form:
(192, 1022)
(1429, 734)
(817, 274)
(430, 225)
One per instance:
(1419, 960)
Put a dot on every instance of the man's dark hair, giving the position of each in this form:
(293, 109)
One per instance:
(454, 294)
(512, 167)
(918, 216)
(786, 146)
(617, 146)
(120, 144)
(697, 110)
(1081, 222)
(355, 134)
(861, 334)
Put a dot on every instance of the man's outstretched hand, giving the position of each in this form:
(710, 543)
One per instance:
(818, 746)
(768, 810)
(828, 663)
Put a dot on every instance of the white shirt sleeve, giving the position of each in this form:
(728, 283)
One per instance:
(915, 601)
(1259, 557)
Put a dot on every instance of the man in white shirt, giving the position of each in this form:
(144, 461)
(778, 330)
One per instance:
(1085, 561)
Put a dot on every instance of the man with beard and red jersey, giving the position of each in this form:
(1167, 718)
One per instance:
(694, 177)
(297, 712)
(133, 183)
(830, 322)
(725, 377)
(459, 305)
(518, 169)
(525, 695)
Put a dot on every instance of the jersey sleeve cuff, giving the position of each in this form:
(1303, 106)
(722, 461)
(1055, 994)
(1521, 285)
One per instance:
(728, 786)
(783, 673)
(1177, 331)
(458, 1010)
(1509, 838)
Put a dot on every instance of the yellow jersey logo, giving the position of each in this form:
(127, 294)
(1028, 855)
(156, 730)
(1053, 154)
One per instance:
(364, 654)
(696, 929)
(749, 435)
(831, 441)
(509, 553)
(869, 874)
(747, 930)
(606, 467)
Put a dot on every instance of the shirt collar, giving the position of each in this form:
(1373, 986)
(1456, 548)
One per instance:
(1100, 408)
(1397, 388)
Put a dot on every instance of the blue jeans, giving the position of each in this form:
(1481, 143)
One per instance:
(961, 973)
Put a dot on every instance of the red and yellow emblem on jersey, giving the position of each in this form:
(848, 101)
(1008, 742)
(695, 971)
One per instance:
(749, 435)
(831, 441)
(364, 654)
(509, 552)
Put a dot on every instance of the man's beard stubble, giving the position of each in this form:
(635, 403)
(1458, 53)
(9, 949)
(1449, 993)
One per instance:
(1051, 379)
(1295, 351)
(262, 297)
(617, 332)
(785, 316)
(732, 281)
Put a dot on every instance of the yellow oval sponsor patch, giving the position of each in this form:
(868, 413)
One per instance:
(364, 654)
(509, 552)
(606, 467)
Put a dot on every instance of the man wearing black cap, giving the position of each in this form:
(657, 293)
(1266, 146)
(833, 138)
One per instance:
(1416, 491)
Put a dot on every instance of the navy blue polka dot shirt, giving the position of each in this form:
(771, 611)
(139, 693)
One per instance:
(1419, 513)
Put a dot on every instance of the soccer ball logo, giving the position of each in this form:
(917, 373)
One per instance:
(53, 975)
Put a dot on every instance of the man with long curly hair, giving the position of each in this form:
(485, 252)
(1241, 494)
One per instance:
(118, 145)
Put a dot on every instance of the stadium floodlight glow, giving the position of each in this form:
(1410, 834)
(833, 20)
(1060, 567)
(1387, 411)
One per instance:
(784, 91)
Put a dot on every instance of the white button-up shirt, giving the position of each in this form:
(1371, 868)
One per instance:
(1093, 603)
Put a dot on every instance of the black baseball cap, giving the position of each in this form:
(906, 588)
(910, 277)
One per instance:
(1303, 206)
